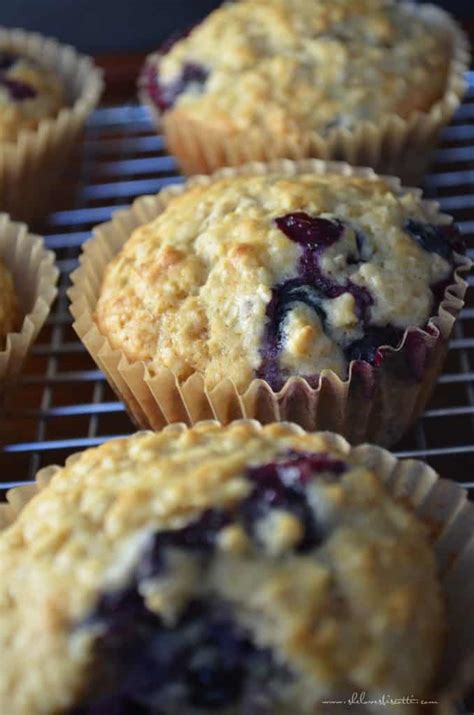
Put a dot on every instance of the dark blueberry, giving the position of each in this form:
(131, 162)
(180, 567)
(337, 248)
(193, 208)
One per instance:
(313, 234)
(217, 669)
(153, 561)
(200, 535)
(294, 291)
(302, 466)
(296, 470)
(282, 485)
(311, 287)
(117, 603)
(113, 705)
(363, 250)
(269, 369)
(214, 686)
(265, 499)
(19, 91)
(361, 242)
(326, 286)
(310, 230)
(149, 80)
(283, 300)
(442, 240)
(363, 301)
(7, 60)
(165, 94)
(367, 348)
(205, 661)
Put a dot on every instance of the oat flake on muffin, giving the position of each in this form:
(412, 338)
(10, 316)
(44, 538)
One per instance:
(222, 570)
(29, 93)
(274, 276)
(291, 65)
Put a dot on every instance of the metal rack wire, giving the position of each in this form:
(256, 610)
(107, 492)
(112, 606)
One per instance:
(64, 404)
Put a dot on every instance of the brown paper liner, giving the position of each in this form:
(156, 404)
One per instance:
(440, 503)
(372, 404)
(35, 276)
(392, 145)
(31, 166)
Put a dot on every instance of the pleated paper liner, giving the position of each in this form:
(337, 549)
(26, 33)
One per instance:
(31, 167)
(35, 276)
(372, 404)
(391, 145)
(440, 503)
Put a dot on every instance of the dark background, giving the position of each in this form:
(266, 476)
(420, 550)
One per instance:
(111, 25)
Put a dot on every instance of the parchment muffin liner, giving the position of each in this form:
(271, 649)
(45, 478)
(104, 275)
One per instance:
(374, 404)
(391, 145)
(31, 166)
(35, 276)
(440, 503)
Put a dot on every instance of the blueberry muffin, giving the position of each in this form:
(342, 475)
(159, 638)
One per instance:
(291, 70)
(9, 312)
(47, 92)
(276, 276)
(315, 64)
(227, 570)
(29, 93)
(28, 278)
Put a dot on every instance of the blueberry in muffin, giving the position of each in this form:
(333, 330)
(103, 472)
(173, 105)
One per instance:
(275, 276)
(9, 310)
(227, 570)
(29, 93)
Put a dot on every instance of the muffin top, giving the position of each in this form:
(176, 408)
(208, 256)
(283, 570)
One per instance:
(9, 313)
(227, 563)
(29, 93)
(273, 276)
(291, 65)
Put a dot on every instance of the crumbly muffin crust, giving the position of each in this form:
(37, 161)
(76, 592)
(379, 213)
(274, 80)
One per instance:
(273, 276)
(317, 562)
(29, 93)
(291, 65)
(9, 311)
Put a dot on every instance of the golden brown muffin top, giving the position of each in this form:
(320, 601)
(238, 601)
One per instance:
(291, 65)
(298, 538)
(274, 276)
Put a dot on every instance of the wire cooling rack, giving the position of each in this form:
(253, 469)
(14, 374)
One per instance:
(64, 404)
